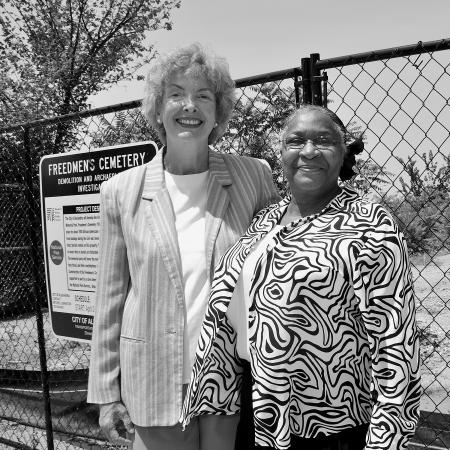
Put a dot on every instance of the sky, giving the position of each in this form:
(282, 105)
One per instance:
(260, 36)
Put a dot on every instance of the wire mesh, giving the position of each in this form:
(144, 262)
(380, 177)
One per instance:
(401, 106)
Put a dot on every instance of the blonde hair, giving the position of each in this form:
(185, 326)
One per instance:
(191, 59)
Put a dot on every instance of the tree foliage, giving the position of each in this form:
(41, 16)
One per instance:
(423, 207)
(256, 124)
(371, 178)
(429, 184)
(56, 53)
(124, 128)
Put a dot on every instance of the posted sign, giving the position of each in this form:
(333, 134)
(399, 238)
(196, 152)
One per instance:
(70, 205)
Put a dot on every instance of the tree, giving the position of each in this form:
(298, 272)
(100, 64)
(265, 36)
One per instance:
(423, 208)
(127, 126)
(256, 124)
(433, 181)
(55, 53)
(371, 177)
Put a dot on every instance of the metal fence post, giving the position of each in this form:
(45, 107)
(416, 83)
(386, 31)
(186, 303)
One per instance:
(297, 85)
(34, 239)
(306, 82)
(325, 89)
(316, 80)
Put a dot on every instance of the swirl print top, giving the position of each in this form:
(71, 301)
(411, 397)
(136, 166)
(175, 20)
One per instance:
(332, 333)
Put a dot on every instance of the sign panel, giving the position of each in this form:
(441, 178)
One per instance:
(70, 205)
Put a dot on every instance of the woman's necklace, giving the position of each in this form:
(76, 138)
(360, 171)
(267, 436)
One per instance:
(293, 211)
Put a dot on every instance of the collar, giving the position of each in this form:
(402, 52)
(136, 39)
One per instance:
(154, 173)
(339, 203)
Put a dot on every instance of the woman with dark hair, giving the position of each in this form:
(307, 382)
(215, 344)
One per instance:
(315, 305)
(164, 226)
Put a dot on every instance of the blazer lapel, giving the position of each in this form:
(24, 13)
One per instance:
(161, 220)
(217, 202)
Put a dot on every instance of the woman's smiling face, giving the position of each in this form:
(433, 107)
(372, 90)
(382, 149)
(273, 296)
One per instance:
(312, 153)
(188, 109)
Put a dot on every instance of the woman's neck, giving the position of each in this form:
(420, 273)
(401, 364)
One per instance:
(303, 204)
(186, 159)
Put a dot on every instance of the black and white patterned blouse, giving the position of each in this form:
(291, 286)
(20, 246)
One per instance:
(332, 333)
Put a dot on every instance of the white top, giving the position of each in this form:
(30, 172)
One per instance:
(188, 195)
(239, 306)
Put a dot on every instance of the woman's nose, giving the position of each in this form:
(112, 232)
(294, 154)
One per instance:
(309, 150)
(189, 104)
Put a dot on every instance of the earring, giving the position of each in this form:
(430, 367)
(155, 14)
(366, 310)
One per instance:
(158, 120)
(215, 124)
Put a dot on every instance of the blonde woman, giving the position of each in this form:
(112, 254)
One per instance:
(164, 226)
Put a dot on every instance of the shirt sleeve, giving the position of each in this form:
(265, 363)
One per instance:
(384, 286)
(269, 193)
(112, 285)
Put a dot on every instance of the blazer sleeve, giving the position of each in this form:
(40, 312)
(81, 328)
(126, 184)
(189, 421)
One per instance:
(112, 285)
(269, 193)
(385, 290)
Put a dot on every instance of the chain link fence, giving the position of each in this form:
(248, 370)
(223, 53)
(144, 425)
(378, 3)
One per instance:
(398, 99)
(401, 104)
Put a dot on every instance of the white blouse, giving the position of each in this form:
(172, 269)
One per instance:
(238, 309)
(188, 195)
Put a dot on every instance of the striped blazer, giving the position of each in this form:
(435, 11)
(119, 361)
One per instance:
(137, 342)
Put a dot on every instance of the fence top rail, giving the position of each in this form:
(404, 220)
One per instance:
(375, 55)
(76, 115)
(241, 82)
(268, 77)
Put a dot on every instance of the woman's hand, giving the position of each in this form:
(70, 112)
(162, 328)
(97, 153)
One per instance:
(112, 415)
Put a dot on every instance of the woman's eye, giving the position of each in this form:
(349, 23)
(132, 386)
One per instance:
(173, 94)
(295, 142)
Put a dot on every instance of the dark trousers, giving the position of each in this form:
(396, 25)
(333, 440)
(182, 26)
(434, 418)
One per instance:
(350, 439)
(245, 436)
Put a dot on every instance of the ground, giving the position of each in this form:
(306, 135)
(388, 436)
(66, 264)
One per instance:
(432, 290)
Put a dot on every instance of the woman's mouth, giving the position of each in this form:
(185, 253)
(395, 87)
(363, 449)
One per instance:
(189, 123)
(309, 168)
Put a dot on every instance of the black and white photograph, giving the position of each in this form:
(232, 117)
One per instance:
(225, 225)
